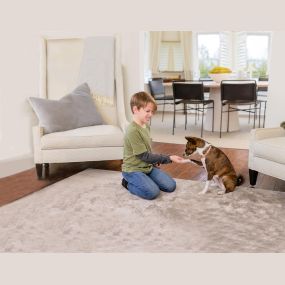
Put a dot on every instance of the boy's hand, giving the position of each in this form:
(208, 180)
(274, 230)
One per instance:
(177, 159)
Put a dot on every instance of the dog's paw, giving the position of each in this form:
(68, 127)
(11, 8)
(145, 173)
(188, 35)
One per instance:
(196, 162)
(186, 160)
(202, 192)
(221, 192)
(192, 161)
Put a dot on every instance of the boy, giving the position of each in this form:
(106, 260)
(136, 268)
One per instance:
(141, 175)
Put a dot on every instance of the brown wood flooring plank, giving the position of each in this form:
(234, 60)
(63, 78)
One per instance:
(24, 183)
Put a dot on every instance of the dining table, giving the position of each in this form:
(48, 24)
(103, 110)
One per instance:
(215, 94)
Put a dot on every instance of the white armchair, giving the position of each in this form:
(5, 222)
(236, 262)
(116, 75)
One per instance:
(267, 153)
(60, 64)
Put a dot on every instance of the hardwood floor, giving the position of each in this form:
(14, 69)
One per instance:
(24, 183)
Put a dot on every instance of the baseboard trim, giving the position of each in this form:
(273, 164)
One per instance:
(10, 166)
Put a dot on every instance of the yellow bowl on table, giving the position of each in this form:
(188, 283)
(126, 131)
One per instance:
(220, 73)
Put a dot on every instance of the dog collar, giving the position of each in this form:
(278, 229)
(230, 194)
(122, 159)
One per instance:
(204, 154)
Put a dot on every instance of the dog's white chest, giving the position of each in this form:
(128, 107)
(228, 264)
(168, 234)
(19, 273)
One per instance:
(203, 160)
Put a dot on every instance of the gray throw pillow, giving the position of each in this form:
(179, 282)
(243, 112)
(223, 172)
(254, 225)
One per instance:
(72, 111)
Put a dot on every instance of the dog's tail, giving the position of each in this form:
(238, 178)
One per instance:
(240, 180)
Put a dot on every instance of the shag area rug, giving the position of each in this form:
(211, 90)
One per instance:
(92, 212)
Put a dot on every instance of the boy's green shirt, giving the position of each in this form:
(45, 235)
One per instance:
(136, 141)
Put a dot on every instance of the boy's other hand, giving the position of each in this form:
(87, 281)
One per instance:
(177, 159)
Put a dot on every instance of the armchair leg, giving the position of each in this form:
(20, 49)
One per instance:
(39, 169)
(252, 177)
(42, 170)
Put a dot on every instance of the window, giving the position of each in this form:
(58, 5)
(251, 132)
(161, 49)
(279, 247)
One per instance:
(171, 56)
(257, 47)
(208, 52)
(243, 52)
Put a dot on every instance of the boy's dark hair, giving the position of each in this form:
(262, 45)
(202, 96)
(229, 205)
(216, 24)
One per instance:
(141, 99)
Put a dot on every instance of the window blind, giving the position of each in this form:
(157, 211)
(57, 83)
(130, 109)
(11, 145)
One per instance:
(171, 56)
(240, 58)
(226, 53)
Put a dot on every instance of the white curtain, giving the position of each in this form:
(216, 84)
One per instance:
(171, 65)
(154, 52)
(187, 47)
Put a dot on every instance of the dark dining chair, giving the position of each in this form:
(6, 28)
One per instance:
(239, 95)
(157, 91)
(262, 95)
(191, 95)
(206, 88)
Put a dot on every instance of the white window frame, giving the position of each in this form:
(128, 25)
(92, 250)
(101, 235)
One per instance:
(268, 34)
(235, 55)
(196, 53)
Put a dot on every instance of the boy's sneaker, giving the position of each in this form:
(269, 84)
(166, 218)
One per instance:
(125, 183)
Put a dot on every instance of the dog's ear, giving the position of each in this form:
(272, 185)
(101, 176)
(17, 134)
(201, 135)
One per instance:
(191, 140)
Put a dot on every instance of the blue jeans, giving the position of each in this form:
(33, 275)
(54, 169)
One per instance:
(148, 185)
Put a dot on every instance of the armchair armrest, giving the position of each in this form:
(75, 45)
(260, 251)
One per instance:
(263, 133)
(38, 132)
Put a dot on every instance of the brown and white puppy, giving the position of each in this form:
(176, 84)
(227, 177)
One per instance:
(216, 163)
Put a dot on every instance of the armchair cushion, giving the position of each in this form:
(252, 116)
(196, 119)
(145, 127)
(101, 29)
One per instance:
(87, 137)
(267, 153)
(74, 110)
(270, 149)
